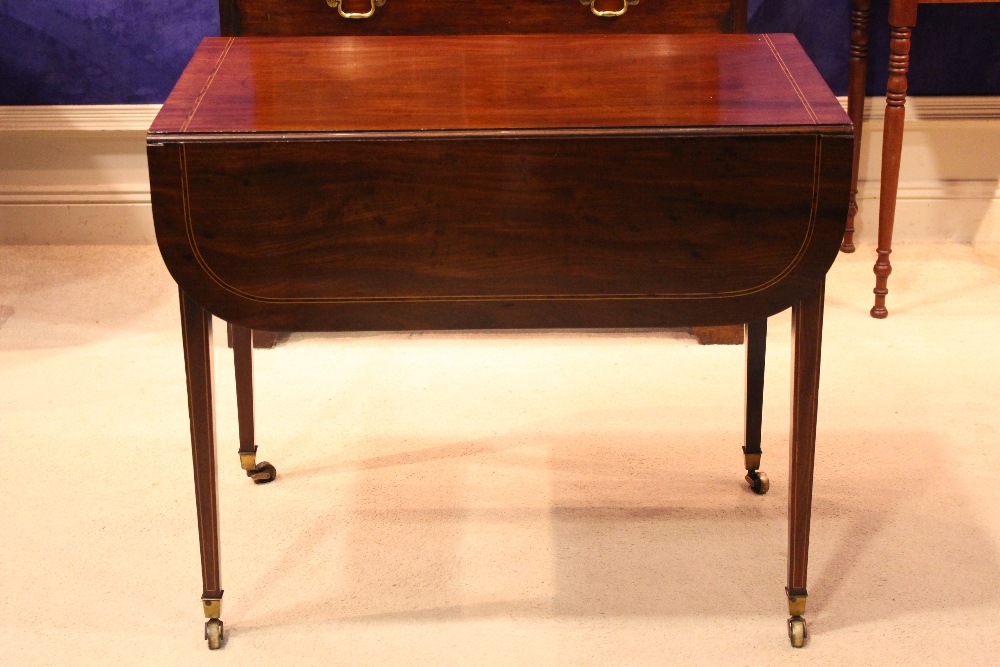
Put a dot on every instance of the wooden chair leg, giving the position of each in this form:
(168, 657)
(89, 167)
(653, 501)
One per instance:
(902, 17)
(756, 346)
(857, 78)
(807, 334)
(262, 472)
(196, 327)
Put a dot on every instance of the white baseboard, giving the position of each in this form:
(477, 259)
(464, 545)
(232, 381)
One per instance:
(77, 174)
(949, 187)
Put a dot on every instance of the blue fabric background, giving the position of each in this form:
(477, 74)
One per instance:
(132, 51)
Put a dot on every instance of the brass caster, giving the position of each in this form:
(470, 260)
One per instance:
(213, 633)
(262, 473)
(758, 482)
(798, 633)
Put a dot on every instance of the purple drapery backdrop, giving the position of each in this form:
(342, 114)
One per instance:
(132, 51)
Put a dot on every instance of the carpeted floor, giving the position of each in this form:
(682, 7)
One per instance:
(483, 499)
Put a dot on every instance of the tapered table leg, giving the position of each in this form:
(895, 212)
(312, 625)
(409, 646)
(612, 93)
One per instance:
(902, 18)
(262, 472)
(807, 334)
(857, 77)
(196, 327)
(756, 347)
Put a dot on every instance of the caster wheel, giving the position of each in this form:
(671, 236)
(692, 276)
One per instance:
(263, 473)
(758, 482)
(797, 631)
(213, 633)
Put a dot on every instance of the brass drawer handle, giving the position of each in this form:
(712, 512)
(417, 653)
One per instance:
(609, 14)
(338, 5)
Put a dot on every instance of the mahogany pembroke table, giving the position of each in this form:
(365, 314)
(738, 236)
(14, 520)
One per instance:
(371, 183)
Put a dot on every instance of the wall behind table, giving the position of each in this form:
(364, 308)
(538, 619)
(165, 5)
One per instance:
(77, 173)
(132, 51)
(956, 47)
(98, 51)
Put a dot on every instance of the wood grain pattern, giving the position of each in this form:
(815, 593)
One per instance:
(274, 18)
(488, 184)
(658, 231)
(807, 335)
(463, 17)
(417, 84)
(196, 328)
(892, 149)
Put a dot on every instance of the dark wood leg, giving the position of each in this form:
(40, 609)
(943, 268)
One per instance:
(857, 77)
(756, 346)
(196, 326)
(902, 17)
(262, 472)
(262, 340)
(807, 335)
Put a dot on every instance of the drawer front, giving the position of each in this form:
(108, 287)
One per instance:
(346, 230)
(471, 17)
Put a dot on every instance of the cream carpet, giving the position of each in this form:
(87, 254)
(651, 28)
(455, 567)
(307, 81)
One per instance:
(483, 499)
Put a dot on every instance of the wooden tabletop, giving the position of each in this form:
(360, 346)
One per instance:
(498, 82)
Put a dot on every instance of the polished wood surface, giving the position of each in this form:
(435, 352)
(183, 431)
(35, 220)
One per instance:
(807, 335)
(724, 207)
(376, 84)
(467, 17)
(277, 17)
(196, 331)
(676, 230)
(439, 17)
(564, 225)
(892, 149)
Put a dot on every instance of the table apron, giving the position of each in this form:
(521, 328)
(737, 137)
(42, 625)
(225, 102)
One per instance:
(493, 233)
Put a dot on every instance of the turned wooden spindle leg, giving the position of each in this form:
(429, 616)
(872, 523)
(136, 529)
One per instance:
(262, 472)
(807, 335)
(196, 327)
(902, 17)
(756, 348)
(858, 75)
